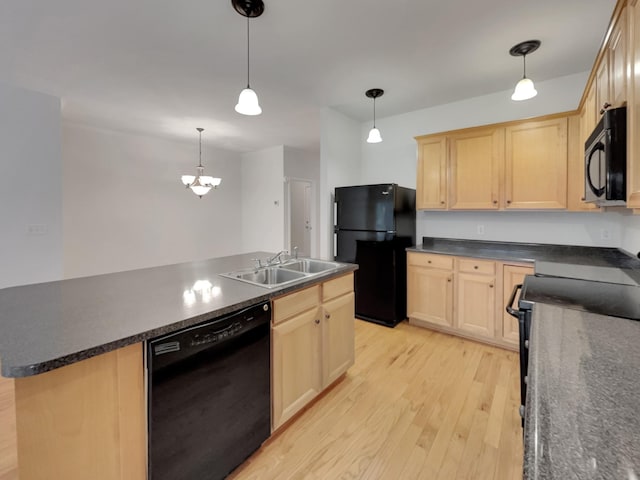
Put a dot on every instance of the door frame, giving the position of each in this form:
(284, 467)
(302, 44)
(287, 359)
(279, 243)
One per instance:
(313, 217)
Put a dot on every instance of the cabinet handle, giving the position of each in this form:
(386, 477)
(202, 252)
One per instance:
(449, 279)
(475, 267)
(327, 316)
(442, 202)
(508, 201)
(582, 198)
(317, 321)
(495, 202)
(605, 105)
(490, 285)
(428, 261)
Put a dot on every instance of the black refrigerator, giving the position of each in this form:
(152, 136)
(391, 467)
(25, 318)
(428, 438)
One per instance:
(374, 226)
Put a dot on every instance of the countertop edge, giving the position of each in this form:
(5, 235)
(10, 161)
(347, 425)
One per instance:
(22, 371)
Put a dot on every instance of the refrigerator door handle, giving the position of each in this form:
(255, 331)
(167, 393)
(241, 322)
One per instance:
(385, 193)
(391, 231)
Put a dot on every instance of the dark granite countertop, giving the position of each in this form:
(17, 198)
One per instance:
(582, 396)
(48, 325)
(529, 252)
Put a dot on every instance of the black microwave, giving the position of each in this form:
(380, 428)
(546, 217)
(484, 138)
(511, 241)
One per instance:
(605, 160)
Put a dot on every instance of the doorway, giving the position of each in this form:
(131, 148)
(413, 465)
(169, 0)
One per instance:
(300, 216)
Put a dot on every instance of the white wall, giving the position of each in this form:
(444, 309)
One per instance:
(125, 207)
(630, 233)
(30, 187)
(340, 156)
(263, 200)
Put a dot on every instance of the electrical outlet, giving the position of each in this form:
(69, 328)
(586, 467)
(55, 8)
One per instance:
(480, 229)
(605, 234)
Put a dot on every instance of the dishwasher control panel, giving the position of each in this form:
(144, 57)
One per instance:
(215, 336)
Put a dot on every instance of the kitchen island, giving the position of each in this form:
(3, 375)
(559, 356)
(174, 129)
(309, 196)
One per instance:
(76, 350)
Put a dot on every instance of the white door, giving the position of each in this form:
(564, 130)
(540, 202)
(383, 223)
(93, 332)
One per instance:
(300, 216)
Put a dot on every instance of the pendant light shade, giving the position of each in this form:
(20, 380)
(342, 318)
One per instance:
(524, 88)
(374, 133)
(248, 103)
(200, 184)
(374, 136)
(248, 100)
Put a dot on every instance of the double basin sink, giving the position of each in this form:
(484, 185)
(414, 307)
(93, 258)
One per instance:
(285, 273)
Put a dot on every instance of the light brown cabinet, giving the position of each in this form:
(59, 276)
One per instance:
(512, 275)
(432, 174)
(475, 305)
(463, 296)
(430, 288)
(84, 420)
(516, 165)
(633, 108)
(603, 95)
(536, 165)
(476, 158)
(618, 61)
(312, 344)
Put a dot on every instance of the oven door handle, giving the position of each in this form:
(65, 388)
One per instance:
(510, 310)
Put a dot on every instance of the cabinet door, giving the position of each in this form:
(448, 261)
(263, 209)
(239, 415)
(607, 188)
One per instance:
(431, 177)
(430, 295)
(536, 165)
(476, 304)
(297, 368)
(338, 337)
(618, 61)
(476, 160)
(633, 110)
(603, 95)
(512, 276)
(588, 115)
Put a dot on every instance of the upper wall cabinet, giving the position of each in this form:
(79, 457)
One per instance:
(633, 107)
(475, 160)
(431, 181)
(536, 165)
(518, 165)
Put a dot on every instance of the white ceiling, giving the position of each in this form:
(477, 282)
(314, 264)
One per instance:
(165, 67)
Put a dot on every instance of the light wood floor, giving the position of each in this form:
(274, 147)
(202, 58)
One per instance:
(416, 405)
(8, 456)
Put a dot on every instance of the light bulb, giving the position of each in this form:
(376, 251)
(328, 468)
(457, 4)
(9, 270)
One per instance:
(248, 103)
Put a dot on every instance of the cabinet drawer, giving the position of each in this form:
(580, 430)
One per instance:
(337, 286)
(430, 260)
(472, 265)
(294, 303)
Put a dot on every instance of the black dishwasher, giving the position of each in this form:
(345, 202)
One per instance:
(209, 396)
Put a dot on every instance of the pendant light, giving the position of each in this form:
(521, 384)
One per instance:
(248, 100)
(374, 133)
(200, 184)
(524, 89)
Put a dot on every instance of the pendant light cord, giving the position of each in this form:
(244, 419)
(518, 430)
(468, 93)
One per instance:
(200, 160)
(524, 59)
(374, 112)
(248, 50)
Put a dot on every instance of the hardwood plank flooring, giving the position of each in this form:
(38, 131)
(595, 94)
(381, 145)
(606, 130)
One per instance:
(417, 404)
(8, 449)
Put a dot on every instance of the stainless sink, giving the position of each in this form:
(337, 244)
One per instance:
(307, 265)
(267, 276)
(283, 274)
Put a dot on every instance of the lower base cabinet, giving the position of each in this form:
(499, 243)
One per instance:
(312, 344)
(464, 296)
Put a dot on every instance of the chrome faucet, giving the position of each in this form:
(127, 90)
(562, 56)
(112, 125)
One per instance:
(295, 252)
(275, 258)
